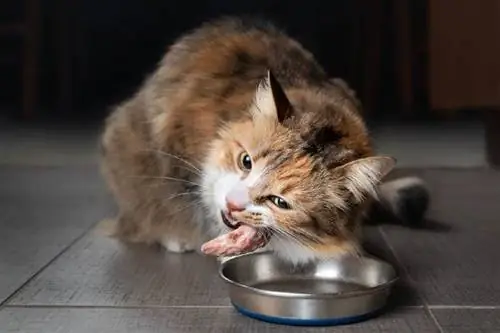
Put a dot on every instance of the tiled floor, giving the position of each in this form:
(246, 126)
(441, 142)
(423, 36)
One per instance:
(57, 275)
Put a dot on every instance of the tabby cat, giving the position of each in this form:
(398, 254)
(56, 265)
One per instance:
(239, 124)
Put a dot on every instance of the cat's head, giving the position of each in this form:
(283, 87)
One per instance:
(301, 169)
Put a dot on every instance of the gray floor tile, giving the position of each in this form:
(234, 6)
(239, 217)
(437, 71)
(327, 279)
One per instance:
(101, 271)
(42, 210)
(48, 145)
(452, 261)
(454, 144)
(203, 320)
(468, 320)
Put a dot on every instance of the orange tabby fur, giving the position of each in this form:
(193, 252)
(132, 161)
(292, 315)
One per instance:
(171, 152)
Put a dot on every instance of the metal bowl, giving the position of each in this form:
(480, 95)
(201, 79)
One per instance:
(330, 292)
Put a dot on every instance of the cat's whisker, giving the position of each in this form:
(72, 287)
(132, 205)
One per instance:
(306, 233)
(198, 185)
(189, 193)
(190, 170)
(198, 171)
(290, 236)
(286, 238)
(308, 237)
(192, 204)
(203, 188)
(170, 179)
(303, 232)
(180, 195)
(300, 239)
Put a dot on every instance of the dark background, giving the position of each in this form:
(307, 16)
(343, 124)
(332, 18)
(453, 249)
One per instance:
(93, 53)
(407, 59)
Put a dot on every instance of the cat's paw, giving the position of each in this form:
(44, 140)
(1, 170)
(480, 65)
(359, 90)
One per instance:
(177, 246)
(106, 227)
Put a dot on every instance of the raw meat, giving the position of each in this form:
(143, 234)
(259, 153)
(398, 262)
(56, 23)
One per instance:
(241, 240)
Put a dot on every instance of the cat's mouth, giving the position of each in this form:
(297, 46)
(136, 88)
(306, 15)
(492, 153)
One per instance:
(231, 224)
(243, 238)
(234, 224)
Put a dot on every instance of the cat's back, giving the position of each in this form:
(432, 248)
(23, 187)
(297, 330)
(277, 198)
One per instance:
(239, 51)
(210, 74)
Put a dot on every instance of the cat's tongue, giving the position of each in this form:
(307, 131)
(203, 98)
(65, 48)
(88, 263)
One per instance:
(242, 240)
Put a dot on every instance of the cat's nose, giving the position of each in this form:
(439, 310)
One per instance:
(234, 206)
(237, 199)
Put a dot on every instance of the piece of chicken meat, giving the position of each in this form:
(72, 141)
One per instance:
(242, 240)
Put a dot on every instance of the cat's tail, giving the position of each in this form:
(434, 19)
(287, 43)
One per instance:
(403, 201)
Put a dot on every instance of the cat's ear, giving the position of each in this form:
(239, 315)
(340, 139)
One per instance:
(361, 177)
(271, 100)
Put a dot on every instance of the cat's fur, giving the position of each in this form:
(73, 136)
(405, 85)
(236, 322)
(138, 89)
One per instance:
(172, 153)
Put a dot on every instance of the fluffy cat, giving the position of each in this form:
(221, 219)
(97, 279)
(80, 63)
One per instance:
(239, 123)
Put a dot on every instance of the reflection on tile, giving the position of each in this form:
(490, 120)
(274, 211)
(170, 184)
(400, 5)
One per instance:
(468, 320)
(202, 320)
(101, 271)
(48, 144)
(451, 144)
(42, 210)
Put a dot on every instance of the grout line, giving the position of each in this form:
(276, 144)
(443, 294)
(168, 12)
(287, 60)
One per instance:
(41, 269)
(410, 280)
(402, 267)
(464, 307)
(125, 307)
(139, 307)
(434, 319)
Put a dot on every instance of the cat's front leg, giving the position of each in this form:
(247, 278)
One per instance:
(176, 245)
(175, 226)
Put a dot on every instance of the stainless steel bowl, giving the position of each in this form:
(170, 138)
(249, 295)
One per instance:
(330, 292)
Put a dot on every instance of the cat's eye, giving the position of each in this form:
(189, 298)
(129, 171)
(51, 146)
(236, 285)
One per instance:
(279, 202)
(245, 162)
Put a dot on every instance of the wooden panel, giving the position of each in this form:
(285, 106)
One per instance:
(464, 42)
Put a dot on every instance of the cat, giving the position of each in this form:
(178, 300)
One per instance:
(239, 123)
